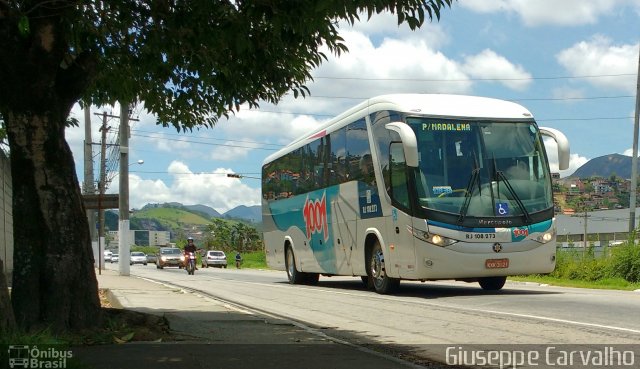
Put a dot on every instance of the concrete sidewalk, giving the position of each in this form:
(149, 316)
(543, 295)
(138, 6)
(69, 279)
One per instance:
(213, 334)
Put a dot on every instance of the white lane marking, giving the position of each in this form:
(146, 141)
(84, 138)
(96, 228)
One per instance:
(445, 306)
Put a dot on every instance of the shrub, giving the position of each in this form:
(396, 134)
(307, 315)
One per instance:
(625, 262)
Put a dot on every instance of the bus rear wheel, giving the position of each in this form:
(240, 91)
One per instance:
(382, 283)
(492, 283)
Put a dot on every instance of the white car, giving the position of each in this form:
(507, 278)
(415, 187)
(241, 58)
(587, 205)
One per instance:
(214, 258)
(138, 257)
(107, 255)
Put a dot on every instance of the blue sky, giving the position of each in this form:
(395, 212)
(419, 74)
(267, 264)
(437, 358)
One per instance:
(572, 63)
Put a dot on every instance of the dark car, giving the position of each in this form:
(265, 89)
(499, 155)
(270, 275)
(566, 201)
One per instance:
(214, 258)
(169, 256)
(151, 258)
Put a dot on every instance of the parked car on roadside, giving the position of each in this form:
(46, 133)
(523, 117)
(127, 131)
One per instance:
(214, 258)
(107, 255)
(169, 256)
(114, 258)
(138, 257)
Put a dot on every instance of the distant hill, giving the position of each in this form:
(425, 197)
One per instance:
(211, 212)
(605, 166)
(203, 210)
(252, 213)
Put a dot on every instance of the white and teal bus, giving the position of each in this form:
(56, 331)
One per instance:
(414, 187)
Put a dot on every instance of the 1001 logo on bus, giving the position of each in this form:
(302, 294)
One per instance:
(315, 217)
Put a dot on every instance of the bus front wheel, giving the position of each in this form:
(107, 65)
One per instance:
(294, 276)
(382, 283)
(290, 263)
(492, 283)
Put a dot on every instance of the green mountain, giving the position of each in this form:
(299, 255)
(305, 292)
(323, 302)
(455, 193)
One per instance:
(158, 219)
(605, 166)
(171, 217)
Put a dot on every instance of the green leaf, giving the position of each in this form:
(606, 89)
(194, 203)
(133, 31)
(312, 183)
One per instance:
(124, 339)
(23, 26)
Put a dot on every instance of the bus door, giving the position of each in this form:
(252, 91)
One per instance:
(345, 228)
(399, 239)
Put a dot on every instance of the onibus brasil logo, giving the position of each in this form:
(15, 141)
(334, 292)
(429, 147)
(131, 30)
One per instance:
(33, 357)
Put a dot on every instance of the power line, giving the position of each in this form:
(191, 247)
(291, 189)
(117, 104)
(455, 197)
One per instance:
(522, 99)
(476, 79)
(189, 173)
(207, 143)
(582, 119)
(207, 138)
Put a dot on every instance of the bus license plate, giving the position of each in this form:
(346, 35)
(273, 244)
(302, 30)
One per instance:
(496, 263)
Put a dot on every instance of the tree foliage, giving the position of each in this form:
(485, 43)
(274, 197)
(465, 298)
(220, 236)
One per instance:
(233, 236)
(190, 62)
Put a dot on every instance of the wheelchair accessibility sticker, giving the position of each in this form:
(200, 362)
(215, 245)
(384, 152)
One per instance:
(502, 209)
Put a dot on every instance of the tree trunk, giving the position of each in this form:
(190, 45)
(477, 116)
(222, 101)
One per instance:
(7, 321)
(54, 282)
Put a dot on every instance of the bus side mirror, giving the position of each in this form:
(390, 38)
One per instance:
(563, 145)
(409, 141)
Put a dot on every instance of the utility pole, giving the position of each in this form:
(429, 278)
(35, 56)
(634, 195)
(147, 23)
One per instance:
(584, 249)
(101, 186)
(124, 245)
(89, 188)
(634, 157)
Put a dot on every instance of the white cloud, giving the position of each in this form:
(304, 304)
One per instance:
(599, 56)
(213, 188)
(575, 160)
(551, 12)
(395, 66)
(386, 25)
(487, 65)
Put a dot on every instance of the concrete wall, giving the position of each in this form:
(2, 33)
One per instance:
(6, 216)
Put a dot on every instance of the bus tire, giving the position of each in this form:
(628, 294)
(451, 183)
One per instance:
(367, 281)
(311, 278)
(382, 283)
(492, 283)
(294, 276)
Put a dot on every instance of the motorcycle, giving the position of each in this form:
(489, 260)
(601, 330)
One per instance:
(190, 262)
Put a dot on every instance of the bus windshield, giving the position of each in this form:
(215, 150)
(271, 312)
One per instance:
(481, 168)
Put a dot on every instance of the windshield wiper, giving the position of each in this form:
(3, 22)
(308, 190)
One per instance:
(475, 178)
(499, 175)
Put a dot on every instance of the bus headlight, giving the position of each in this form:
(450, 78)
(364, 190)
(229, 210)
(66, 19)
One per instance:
(545, 237)
(435, 239)
(441, 241)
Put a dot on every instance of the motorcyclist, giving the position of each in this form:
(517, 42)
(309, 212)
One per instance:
(190, 247)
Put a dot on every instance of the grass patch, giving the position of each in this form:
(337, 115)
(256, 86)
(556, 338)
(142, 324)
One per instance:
(250, 260)
(619, 269)
(606, 283)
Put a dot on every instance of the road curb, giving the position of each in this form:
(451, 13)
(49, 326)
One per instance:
(113, 300)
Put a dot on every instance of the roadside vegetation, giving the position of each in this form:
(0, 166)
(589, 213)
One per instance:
(618, 268)
(250, 260)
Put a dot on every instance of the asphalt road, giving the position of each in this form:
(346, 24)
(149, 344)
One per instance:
(423, 314)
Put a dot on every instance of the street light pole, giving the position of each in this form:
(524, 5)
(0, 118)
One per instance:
(634, 156)
(124, 244)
